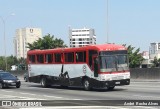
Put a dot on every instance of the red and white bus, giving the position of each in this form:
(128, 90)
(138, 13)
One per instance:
(101, 66)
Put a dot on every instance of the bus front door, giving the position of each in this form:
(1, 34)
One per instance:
(95, 65)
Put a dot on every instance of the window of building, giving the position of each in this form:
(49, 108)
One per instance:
(81, 56)
(32, 59)
(69, 57)
(49, 58)
(58, 57)
(31, 30)
(40, 58)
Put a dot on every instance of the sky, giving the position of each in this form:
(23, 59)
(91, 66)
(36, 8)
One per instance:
(131, 22)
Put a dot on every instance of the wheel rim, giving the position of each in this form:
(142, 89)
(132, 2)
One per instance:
(0, 85)
(86, 85)
(43, 82)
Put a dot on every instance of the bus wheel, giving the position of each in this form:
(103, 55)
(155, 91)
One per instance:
(111, 88)
(65, 87)
(86, 85)
(1, 86)
(43, 82)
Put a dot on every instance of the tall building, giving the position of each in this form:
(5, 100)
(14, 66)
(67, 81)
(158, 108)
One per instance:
(24, 36)
(154, 50)
(81, 37)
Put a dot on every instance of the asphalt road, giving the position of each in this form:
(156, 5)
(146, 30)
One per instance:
(74, 97)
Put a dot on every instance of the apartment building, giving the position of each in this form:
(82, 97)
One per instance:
(24, 36)
(81, 37)
(154, 50)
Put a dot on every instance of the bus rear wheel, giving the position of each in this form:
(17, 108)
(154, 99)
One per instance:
(86, 85)
(43, 82)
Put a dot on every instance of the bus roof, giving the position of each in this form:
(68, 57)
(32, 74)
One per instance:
(102, 47)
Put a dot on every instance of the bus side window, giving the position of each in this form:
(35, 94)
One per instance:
(69, 57)
(81, 56)
(57, 57)
(49, 58)
(31, 58)
(40, 58)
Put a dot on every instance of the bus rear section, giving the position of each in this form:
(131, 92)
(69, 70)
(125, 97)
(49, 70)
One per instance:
(104, 66)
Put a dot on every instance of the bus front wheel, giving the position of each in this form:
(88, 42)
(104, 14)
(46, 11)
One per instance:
(111, 88)
(86, 85)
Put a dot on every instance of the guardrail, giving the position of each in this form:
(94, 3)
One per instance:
(136, 73)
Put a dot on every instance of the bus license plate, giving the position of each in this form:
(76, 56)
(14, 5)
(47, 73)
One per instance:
(117, 82)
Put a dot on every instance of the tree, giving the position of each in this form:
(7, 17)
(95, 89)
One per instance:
(156, 62)
(47, 42)
(2, 63)
(135, 58)
(11, 60)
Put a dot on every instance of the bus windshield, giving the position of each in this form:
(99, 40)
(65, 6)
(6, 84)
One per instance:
(113, 62)
(107, 63)
(122, 62)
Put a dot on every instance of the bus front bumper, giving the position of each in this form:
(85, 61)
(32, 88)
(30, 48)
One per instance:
(103, 84)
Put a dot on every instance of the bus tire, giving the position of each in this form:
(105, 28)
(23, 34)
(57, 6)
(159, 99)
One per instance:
(111, 88)
(86, 85)
(1, 86)
(43, 82)
(25, 79)
(64, 87)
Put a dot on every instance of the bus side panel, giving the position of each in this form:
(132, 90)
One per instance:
(49, 71)
(60, 74)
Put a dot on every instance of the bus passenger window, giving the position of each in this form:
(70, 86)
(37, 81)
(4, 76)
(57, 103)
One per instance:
(80, 56)
(40, 58)
(31, 58)
(69, 57)
(49, 58)
(57, 57)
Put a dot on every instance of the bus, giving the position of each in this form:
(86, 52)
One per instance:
(92, 66)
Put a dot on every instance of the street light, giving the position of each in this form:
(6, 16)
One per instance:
(107, 24)
(4, 33)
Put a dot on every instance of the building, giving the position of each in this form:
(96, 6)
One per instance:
(154, 50)
(81, 37)
(147, 62)
(24, 36)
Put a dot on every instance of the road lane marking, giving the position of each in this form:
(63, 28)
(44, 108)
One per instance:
(6, 91)
(144, 86)
(78, 107)
(145, 107)
(146, 96)
(52, 96)
(27, 93)
(77, 99)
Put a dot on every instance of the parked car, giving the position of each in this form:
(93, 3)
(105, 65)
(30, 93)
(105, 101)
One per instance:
(7, 79)
(26, 76)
